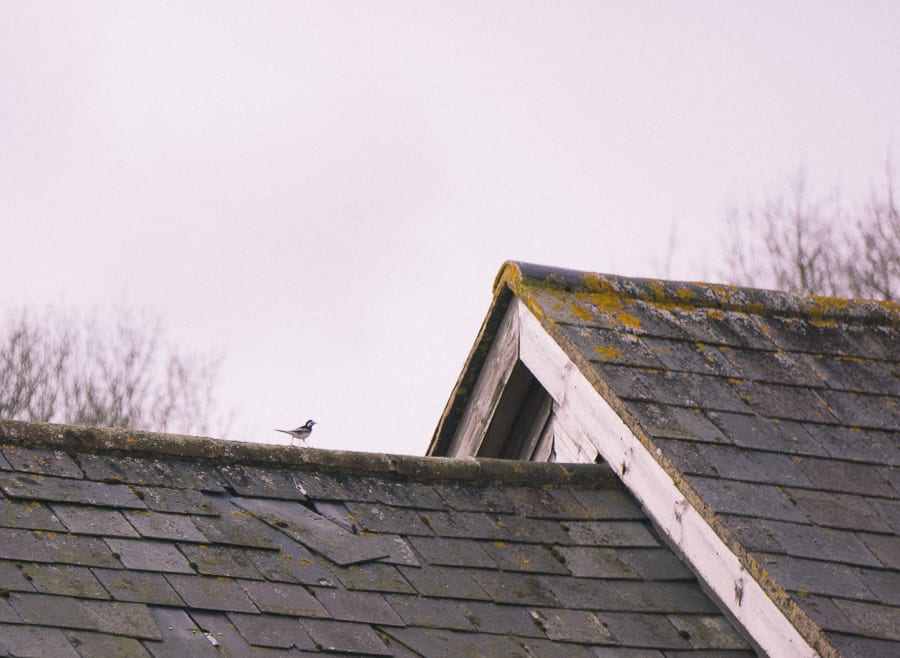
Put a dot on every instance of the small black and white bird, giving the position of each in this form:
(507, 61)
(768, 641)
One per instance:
(301, 432)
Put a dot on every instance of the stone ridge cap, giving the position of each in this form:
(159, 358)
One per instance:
(74, 439)
(520, 276)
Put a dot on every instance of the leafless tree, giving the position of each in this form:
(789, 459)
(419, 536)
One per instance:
(808, 244)
(108, 369)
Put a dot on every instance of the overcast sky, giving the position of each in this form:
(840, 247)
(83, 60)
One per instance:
(325, 191)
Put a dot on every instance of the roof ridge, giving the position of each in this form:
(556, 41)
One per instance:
(687, 295)
(73, 438)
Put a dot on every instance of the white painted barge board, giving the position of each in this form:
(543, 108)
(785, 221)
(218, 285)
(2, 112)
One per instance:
(585, 416)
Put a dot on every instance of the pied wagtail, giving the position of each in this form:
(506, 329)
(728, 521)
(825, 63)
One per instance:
(301, 432)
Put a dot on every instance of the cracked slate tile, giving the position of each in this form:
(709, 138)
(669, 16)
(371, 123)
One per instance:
(228, 636)
(67, 490)
(314, 531)
(292, 564)
(138, 587)
(261, 482)
(181, 636)
(429, 611)
(352, 605)
(284, 599)
(211, 593)
(346, 637)
(227, 561)
(271, 631)
(149, 555)
(179, 501)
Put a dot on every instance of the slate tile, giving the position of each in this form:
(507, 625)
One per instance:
(732, 328)
(689, 457)
(595, 562)
(67, 490)
(522, 529)
(468, 525)
(545, 503)
(776, 367)
(347, 637)
(621, 652)
(429, 612)
(283, 599)
(872, 619)
(582, 593)
(261, 481)
(11, 577)
(444, 643)
(786, 402)
(755, 466)
(608, 504)
(855, 444)
(523, 589)
(179, 501)
(853, 645)
(37, 641)
(93, 521)
(695, 357)
(191, 474)
(572, 626)
(41, 460)
(181, 636)
(65, 580)
(350, 605)
(338, 486)
(747, 499)
(229, 640)
(660, 596)
(238, 528)
(147, 555)
(759, 433)
(444, 582)
(78, 549)
(415, 495)
(220, 561)
(816, 576)
(158, 525)
(755, 534)
(687, 389)
(374, 577)
(884, 585)
(122, 618)
(116, 617)
(855, 374)
(381, 518)
(474, 498)
(271, 631)
(30, 514)
(606, 346)
(837, 510)
(24, 545)
(138, 586)
(7, 615)
(293, 564)
(880, 412)
(669, 421)
(819, 543)
(313, 530)
(844, 477)
(101, 644)
(611, 533)
(511, 620)
(122, 468)
(800, 335)
(708, 632)
(212, 593)
(642, 630)
(524, 557)
(395, 548)
(655, 563)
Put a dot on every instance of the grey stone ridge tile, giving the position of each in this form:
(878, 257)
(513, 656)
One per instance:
(293, 564)
(376, 517)
(271, 631)
(340, 636)
(43, 461)
(158, 525)
(65, 580)
(219, 629)
(611, 533)
(101, 644)
(78, 549)
(708, 632)
(179, 501)
(429, 612)
(445, 582)
(284, 599)
(212, 593)
(261, 482)
(643, 630)
(670, 421)
(443, 643)
(747, 499)
(101, 521)
(515, 620)
(314, 531)
(220, 561)
(138, 587)
(18, 640)
(68, 490)
(366, 607)
(572, 626)
(148, 555)
(31, 515)
(180, 636)
(117, 617)
(374, 577)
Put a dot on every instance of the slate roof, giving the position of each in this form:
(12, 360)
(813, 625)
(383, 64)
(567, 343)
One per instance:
(776, 416)
(126, 544)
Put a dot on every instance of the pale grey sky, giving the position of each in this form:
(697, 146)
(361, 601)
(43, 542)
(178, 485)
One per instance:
(325, 191)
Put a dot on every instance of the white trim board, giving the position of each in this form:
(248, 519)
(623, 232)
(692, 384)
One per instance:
(587, 418)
